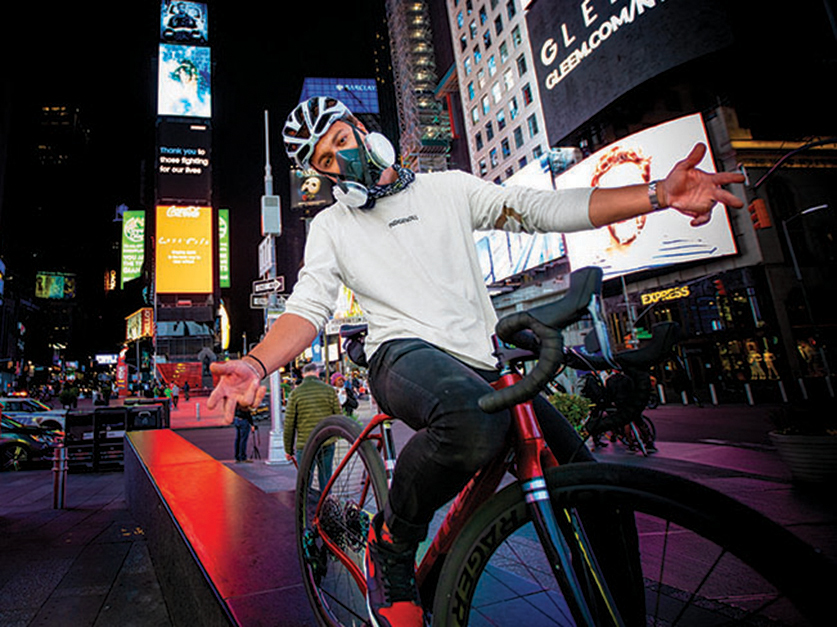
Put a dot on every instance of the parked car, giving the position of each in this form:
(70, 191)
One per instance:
(29, 411)
(21, 444)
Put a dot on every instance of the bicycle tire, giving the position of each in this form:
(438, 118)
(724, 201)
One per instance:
(492, 575)
(356, 494)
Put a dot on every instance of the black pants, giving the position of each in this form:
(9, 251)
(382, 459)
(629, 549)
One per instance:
(437, 395)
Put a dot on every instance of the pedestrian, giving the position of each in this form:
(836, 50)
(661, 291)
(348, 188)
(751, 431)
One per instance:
(175, 394)
(186, 390)
(418, 280)
(311, 401)
(345, 394)
(243, 425)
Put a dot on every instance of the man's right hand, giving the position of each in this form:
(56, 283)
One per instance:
(239, 384)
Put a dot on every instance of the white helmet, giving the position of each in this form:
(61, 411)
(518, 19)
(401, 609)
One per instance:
(307, 123)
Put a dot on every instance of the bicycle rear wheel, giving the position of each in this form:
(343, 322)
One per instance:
(705, 558)
(358, 491)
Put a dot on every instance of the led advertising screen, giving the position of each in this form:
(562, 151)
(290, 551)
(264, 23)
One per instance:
(55, 285)
(310, 191)
(359, 94)
(133, 245)
(223, 247)
(589, 53)
(658, 239)
(503, 254)
(184, 81)
(184, 251)
(183, 22)
(184, 162)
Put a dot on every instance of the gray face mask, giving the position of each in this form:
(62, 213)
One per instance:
(361, 167)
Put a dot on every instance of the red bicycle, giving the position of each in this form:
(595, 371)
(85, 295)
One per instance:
(527, 541)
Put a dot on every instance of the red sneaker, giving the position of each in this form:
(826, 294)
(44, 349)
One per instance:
(391, 592)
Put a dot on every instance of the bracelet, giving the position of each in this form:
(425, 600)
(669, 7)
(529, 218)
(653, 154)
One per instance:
(258, 361)
(652, 196)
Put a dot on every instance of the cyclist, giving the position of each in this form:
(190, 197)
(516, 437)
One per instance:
(403, 243)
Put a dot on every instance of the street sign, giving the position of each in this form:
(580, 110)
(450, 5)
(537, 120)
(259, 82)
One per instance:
(259, 302)
(269, 286)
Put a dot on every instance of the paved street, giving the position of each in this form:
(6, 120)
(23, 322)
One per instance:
(88, 564)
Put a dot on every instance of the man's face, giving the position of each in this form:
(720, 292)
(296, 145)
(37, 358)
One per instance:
(338, 137)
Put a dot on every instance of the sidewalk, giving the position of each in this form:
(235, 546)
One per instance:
(88, 564)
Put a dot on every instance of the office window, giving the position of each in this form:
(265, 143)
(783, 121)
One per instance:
(460, 21)
(517, 133)
(471, 92)
(486, 39)
(492, 66)
(475, 115)
(467, 65)
(486, 105)
(501, 120)
(509, 171)
(483, 15)
(483, 167)
(496, 92)
(481, 78)
(527, 95)
(517, 39)
(504, 53)
(504, 146)
(521, 163)
(478, 141)
(463, 43)
(511, 9)
(492, 157)
(513, 108)
(472, 29)
(469, 5)
(498, 25)
(537, 152)
(532, 121)
(521, 65)
(489, 131)
(508, 79)
(477, 55)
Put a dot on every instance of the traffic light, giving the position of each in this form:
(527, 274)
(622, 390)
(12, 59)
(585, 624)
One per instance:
(759, 214)
(719, 287)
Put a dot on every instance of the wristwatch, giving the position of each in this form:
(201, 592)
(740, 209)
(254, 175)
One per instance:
(652, 196)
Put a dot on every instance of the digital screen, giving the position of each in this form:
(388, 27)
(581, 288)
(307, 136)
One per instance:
(184, 23)
(55, 285)
(184, 165)
(589, 53)
(184, 81)
(658, 239)
(133, 245)
(310, 191)
(184, 250)
(359, 94)
(502, 254)
(224, 248)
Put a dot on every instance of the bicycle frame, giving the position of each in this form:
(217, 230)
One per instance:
(527, 457)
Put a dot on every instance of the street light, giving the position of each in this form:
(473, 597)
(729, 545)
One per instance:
(798, 274)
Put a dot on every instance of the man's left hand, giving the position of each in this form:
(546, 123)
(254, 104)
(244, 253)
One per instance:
(694, 192)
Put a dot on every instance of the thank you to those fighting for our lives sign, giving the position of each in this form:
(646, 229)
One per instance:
(588, 53)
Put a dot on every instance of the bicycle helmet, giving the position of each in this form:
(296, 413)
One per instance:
(307, 123)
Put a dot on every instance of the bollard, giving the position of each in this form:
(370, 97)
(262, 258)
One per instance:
(661, 392)
(713, 394)
(749, 392)
(782, 390)
(59, 479)
(198, 411)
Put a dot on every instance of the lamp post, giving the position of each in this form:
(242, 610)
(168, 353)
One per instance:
(798, 275)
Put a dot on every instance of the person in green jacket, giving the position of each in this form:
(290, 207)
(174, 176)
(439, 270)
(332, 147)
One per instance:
(310, 402)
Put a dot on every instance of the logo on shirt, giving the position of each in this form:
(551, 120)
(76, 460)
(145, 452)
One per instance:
(399, 221)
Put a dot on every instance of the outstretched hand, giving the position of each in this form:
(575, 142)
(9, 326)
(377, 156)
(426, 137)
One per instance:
(239, 384)
(694, 192)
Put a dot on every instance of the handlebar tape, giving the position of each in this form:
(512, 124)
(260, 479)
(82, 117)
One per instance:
(551, 355)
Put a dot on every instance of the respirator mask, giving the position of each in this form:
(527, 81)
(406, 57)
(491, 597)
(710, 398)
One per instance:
(361, 168)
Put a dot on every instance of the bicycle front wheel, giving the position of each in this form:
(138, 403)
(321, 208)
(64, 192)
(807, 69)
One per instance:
(705, 558)
(331, 531)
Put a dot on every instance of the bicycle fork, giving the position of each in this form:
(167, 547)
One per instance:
(534, 455)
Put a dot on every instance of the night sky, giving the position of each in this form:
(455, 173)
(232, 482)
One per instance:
(101, 57)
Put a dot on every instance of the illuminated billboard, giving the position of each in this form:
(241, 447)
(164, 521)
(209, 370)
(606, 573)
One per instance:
(588, 54)
(139, 324)
(310, 191)
(184, 251)
(133, 245)
(184, 81)
(658, 239)
(223, 247)
(184, 165)
(503, 254)
(359, 94)
(55, 285)
(183, 22)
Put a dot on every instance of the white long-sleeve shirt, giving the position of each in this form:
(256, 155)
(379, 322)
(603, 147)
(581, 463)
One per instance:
(411, 260)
